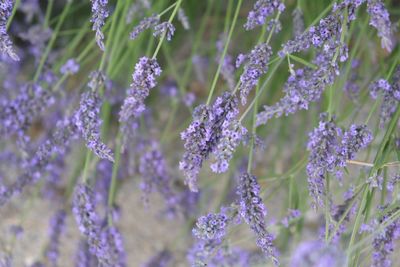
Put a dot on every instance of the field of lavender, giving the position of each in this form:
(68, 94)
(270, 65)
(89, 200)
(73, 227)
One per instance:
(169, 133)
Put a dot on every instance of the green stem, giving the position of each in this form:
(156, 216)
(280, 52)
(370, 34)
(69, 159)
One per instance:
(214, 83)
(113, 185)
(12, 14)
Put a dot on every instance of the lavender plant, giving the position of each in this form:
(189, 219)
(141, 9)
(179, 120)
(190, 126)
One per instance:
(207, 113)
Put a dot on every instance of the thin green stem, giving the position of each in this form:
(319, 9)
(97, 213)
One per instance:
(10, 19)
(214, 83)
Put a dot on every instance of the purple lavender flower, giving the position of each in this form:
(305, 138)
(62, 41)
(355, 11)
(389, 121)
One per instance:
(379, 19)
(227, 67)
(257, 65)
(183, 19)
(164, 28)
(391, 96)
(113, 238)
(6, 46)
(384, 241)
(203, 135)
(395, 179)
(253, 212)
(188, 99)
(145, 24)
(87, 118)
(302, 87)
(298, 22)
(57, 225)
(99, 14)
(83, 257)
(292, 215)
(317, 254)
(89, 224)
(154, 173)
(211, 226)
(354, 139)
(162, 259)
(70, 67)
(17, 115)
(144, 79)
(261, 11)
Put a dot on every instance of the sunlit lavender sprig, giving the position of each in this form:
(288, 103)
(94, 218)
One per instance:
(253, 212)
(6, 46)
(261, 11)
(144, 79)
(87, 118)
(255, 65)
(57, 225)
(391, 96)
(211, 226)
(99, 14)
(166, 28)
(379, 19)
(203, 135)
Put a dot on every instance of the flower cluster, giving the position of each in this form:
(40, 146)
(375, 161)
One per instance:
(253, 212)
(144, 24)
(391, 96)
(6, 46)
(166, 28)
(99, 14)
(211, 226)
(379, 19)
(87, 118)
(261, 11)
(70, 67)
(256, 64)
(330, 148)
(57, 225)
(144, 79)
(204, 133)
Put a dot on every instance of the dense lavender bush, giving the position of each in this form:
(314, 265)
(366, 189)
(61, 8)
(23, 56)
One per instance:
(159, 133)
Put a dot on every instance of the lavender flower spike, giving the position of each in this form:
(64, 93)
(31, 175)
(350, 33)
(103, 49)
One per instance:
(379, 19)
(164, 28)
(145, 24)
(87, 118)
(261, 11)
(99, 14)
(211, 226)
(57, 225)
(6, 46)
(253, 211)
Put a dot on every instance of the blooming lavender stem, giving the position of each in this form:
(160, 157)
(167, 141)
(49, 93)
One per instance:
(6, 46)
(253, 212)
(99, 14)
(379, 19)
(261, 11)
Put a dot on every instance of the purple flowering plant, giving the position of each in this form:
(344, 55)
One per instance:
(199, 133)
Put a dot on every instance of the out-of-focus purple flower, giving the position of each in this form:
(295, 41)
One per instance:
(183, 19)
(145, 24)
(379, 19)
(395, 179)
(298, 22)
(37, 36)
(155, 175)
(113, 238)
(99, 14)
(211, 226)
(188, 99)
(6, 46)
(227, 67)
(203, 135)
(351, 87)
(384, 241)
(88, 221)
(57, 225)
(17, 115)
(165, 28)
(391, 96)
(261, 11)
(137, 9)
(255, 65)
(83, 257)
(87, 118)
(375, 181)
(292, 215)
(162, 259)
(70, 67)
(253, 212)
(317, 254)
